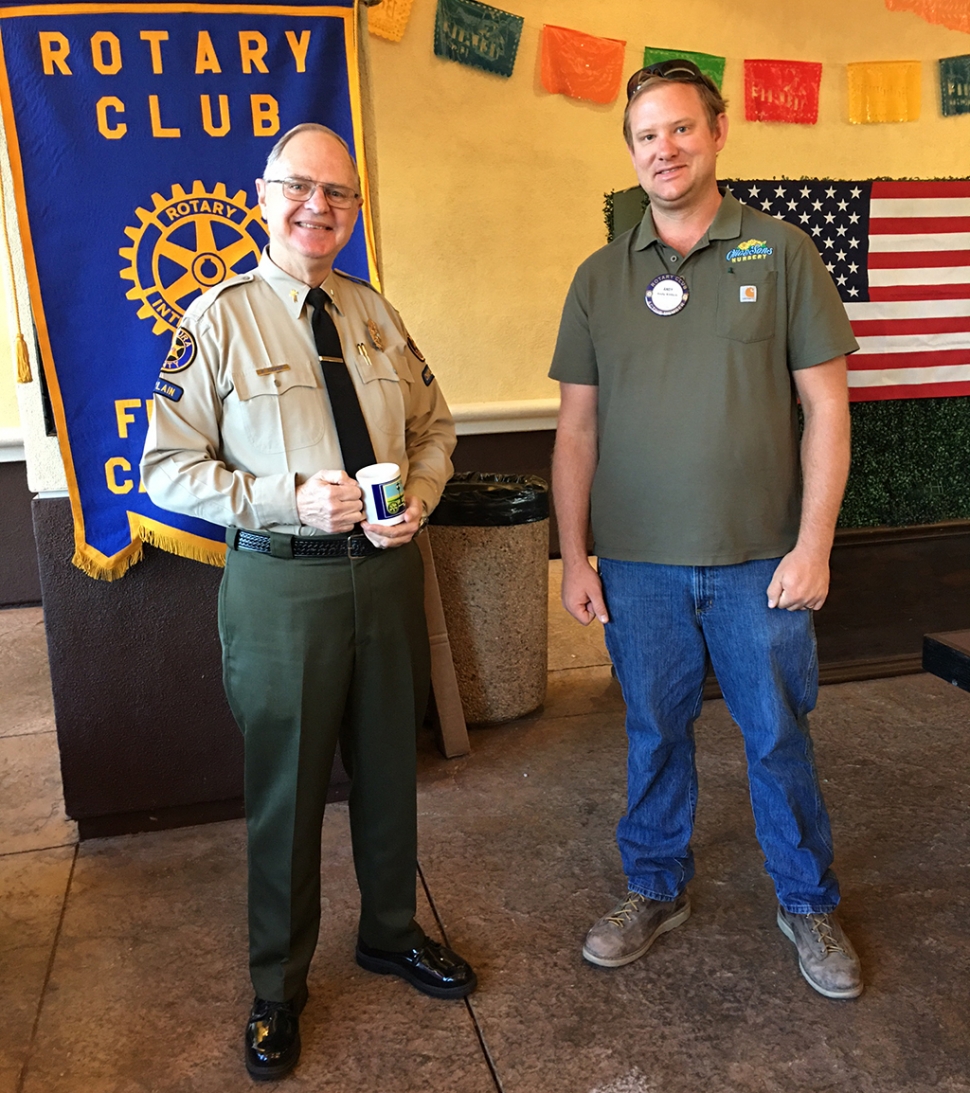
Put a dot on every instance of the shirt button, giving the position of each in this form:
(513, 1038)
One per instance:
(673, 258)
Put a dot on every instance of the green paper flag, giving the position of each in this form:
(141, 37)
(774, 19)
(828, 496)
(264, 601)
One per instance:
(708, 63)
(477, 35)
(955, 85)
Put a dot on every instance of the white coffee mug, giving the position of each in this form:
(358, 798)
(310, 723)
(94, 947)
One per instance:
(383, 493)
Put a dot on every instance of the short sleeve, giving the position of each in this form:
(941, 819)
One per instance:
(818, 327)
(574, 359)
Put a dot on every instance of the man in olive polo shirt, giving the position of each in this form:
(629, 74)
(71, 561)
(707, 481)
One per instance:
(682, 349)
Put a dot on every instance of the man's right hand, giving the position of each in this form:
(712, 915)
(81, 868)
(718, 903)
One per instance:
(582, 593)
(330, 501)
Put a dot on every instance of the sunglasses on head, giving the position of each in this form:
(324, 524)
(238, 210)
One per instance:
(678, 68)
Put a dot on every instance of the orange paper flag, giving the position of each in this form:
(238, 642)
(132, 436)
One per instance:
(954, 14)
(884, 91)
(580, 65)
(389, 19)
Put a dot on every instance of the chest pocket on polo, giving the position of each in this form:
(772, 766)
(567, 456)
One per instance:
(380, 391)
(281, 410)
(746, 303)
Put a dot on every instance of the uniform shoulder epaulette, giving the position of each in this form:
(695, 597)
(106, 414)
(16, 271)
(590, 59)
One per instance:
(358, 280)
(201, 304)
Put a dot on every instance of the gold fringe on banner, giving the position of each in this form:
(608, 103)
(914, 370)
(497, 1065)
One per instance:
(954, 14)
(23, 361)
(101, 568)
(182, 543)
(22, 356)
(202, 550)
(145, 530)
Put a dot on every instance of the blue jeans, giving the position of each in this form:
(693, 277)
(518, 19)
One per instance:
(664, 622)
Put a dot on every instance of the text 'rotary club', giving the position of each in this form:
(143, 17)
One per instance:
(57, 57)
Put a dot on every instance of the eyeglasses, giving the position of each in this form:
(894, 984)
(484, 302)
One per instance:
(677, 68)
(302, 189)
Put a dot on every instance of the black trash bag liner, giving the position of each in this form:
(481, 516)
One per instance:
(473, 499)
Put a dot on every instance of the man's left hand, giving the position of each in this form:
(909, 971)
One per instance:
(395, 535)
(801, 582)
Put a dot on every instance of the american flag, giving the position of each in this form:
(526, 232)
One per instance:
(899, 253)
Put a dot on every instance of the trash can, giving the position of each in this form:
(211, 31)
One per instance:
(490, 538)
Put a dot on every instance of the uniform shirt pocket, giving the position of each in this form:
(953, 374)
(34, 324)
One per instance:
(371, 366)
(381, 391)
(746, 304)
(283, 408)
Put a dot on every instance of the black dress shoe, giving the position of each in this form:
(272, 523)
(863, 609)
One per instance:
(431, 968)
(273, 1037)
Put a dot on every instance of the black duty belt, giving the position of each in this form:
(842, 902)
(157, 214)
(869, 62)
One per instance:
(299, 546)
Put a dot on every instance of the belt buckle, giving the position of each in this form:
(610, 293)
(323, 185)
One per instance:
(355, 546)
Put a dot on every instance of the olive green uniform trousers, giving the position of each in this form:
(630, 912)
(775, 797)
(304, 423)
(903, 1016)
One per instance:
(316, 650)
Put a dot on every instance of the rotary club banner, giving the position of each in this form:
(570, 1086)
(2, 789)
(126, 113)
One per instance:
(884, 91)
(581, 65)
(135, 132)
(782, 91)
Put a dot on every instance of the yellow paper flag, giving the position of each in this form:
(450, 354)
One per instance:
(389, 19)
(954, 14)
(884, 91)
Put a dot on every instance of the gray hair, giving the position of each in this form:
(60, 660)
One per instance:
(307, 127)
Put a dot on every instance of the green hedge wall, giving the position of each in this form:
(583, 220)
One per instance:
(910, 462)
(910, 457)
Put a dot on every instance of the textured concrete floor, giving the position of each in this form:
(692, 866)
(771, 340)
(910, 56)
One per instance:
(517, 859)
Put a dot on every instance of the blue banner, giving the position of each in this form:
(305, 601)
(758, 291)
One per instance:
(135, 133)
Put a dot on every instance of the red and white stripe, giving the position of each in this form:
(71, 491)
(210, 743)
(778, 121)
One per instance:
(915, 330)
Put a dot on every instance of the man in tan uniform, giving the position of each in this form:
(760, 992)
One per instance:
(281, 383)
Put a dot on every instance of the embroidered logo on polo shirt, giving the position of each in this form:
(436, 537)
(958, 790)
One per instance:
(749, 250)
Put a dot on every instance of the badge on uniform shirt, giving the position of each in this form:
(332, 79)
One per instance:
(182, 353)
(375, 335)
(427, 375)
(667, 294)
(414, 349)
(749, 294)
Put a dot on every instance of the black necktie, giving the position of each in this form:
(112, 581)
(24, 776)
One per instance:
(355, 442)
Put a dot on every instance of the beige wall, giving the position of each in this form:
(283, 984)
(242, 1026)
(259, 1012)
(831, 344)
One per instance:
(491, 190)
(9, 418)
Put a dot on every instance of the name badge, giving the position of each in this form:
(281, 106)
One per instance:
(666, 294)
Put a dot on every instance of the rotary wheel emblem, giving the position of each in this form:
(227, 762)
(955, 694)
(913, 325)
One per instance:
(186, 244)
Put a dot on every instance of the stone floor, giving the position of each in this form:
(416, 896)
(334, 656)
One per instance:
(517, 859)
